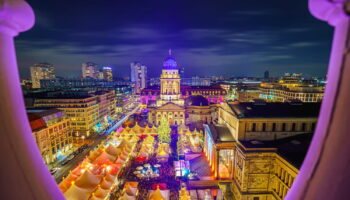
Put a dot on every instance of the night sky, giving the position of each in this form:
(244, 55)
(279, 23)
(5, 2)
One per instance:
(221, 37)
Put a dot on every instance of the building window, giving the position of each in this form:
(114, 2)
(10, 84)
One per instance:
(303, 127)
(274, 127)
(313, 126)
(293, 127)
(284, 127)
(253, 127)
(264, 127)
(256, 198)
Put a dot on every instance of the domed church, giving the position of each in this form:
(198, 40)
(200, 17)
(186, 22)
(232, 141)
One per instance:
(170, 102)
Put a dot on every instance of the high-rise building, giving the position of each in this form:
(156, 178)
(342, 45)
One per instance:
(266, 74)
(107, 73)
(138, 76)
(90, 69)
(41, 71)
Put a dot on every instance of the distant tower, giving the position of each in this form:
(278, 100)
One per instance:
(266, 74)
(138, 76)
(170, 82)
(90, 69)
(41, 71)
(107, 73)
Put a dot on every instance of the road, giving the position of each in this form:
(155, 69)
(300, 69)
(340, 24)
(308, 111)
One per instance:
(120, 122)
(97, 139)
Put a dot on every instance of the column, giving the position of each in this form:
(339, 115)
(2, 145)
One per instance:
(328, 158)
(24, 169)
(217, 164)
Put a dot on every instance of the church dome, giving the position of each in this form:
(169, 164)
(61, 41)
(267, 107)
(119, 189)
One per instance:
(196, 100)
(169, 62)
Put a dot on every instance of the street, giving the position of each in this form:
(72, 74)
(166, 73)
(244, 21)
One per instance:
(97, 139)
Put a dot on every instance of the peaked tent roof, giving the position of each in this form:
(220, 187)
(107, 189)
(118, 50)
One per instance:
(77, 193)
(88, 180)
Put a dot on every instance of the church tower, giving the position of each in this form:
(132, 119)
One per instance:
(170, 82)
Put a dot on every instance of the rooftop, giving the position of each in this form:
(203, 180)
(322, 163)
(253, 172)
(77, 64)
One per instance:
(220, 133)
(196, 100)
(293, 149)
(36, 117)
(42, 112)
(275, 110)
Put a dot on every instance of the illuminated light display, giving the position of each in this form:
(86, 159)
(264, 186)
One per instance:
(107, 68)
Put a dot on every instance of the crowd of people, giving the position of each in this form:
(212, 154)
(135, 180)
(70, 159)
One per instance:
(166, 172)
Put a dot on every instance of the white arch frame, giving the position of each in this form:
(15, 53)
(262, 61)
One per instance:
(25, 176)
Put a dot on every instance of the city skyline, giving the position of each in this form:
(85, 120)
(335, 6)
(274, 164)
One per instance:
(235, 39)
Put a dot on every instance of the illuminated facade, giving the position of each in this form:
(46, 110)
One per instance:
(87, 112)
(52, 132)
(255, 169)
(247, 94)
(180, 104)
(214, 94)
(41, 71)
(268, 121)
(138, 76)
(169, 104)
(291, 87)
(198, 110)
(90, 69)
(107, 73)
(284, 92)
(262, 173)
(170, 83)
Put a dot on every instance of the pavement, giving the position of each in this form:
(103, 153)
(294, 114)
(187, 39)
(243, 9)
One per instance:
(97, 139)
(64, 169)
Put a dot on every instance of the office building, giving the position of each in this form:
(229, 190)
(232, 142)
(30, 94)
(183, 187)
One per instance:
(41, 71)
(52, 132)
(138, 76)
(90, 69)
(88, 112)
(107, 73)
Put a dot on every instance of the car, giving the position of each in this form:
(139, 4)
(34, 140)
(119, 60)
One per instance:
(54, 170)
(70, 157)
(65, 162)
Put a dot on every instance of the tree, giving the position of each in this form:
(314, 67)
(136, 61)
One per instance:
(164, 131)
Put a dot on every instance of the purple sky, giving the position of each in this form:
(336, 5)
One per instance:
(228, 37)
